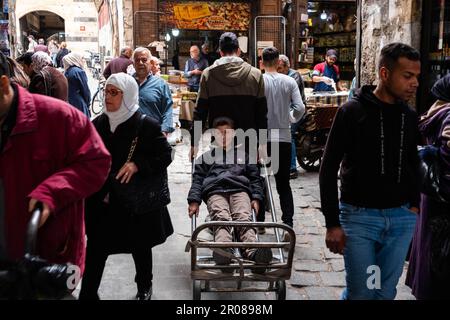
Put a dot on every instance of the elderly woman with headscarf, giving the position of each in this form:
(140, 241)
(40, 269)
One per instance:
(139, 150)
(47, 80)
(426, 281)
(79, 93)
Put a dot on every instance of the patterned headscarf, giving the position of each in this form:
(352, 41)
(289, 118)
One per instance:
(40, 60)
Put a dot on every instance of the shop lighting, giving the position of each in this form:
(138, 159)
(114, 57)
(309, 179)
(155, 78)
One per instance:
(167, 37)
(323, 16)
(175, 32)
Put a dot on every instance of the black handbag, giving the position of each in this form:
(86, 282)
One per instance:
(142, 194)
(431, 173)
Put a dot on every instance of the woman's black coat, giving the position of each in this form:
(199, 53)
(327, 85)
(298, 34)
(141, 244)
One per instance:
(108, 225)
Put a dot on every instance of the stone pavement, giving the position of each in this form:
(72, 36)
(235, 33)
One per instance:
(317, 274)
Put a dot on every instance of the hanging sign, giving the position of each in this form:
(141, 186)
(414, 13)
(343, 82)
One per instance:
(206, 15)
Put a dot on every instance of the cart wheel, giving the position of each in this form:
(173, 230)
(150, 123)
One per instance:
(281, 290)
(308, 160)
(196, 290)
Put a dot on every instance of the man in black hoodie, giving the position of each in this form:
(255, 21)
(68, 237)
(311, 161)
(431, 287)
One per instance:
(374, 141)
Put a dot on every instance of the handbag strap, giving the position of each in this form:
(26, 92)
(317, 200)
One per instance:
(135, 140)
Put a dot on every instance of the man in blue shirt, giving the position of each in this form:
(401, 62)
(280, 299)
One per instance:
(194, 68)
(326, 75)
(155, 98)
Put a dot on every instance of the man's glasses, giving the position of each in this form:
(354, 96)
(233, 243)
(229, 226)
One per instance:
(112, 92)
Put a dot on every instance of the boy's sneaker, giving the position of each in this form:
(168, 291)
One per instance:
(261, 256)
(223, 260)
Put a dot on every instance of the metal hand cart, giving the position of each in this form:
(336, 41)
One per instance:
(204, 270)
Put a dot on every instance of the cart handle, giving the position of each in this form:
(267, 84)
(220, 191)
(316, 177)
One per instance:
(32, 229)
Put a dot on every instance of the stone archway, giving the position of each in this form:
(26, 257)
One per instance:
(80, 21)
(42, 24)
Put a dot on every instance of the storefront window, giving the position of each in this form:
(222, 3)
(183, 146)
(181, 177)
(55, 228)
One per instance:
(435, 48)
(330, 25)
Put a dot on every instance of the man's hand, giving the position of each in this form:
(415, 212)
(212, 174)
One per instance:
(335, 239)
(327, 80)
(196, 72)
(193, 153)
(45, 210)
(255, 205)
(165, 134)
(262, 153)
(193, 209)
(126, 172)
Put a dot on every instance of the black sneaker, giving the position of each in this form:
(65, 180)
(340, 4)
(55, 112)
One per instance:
(145, 295)
(261, 256)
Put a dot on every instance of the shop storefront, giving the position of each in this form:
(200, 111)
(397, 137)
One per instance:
(435, 48)
(5, 47)
(328, 25)
(201, 22)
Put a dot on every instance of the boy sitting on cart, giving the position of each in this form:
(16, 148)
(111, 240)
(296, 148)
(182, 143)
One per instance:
(230, 185)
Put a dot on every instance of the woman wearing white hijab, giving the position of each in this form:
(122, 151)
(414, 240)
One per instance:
(79, 93)
(111, 227)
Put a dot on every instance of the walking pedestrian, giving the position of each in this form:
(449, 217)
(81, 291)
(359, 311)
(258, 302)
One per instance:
(47, 80)
(31, 43)
(119, 64)
(155, 98)
(49, 153)
(284, 67)
(435, 128)
(284, 105)
(79, 93)
(194, 68)
(374, 141)
(139, 151)
(230, 88)
(61, 53)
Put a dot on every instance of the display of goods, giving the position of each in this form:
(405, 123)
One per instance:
(206, 15)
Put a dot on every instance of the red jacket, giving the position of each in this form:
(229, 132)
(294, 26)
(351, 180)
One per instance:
(55, 155)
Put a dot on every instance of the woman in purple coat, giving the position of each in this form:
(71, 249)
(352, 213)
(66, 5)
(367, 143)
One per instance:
(435, 127)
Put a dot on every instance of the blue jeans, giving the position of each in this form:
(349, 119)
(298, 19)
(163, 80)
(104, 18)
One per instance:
(294, 127)
(376, 247)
